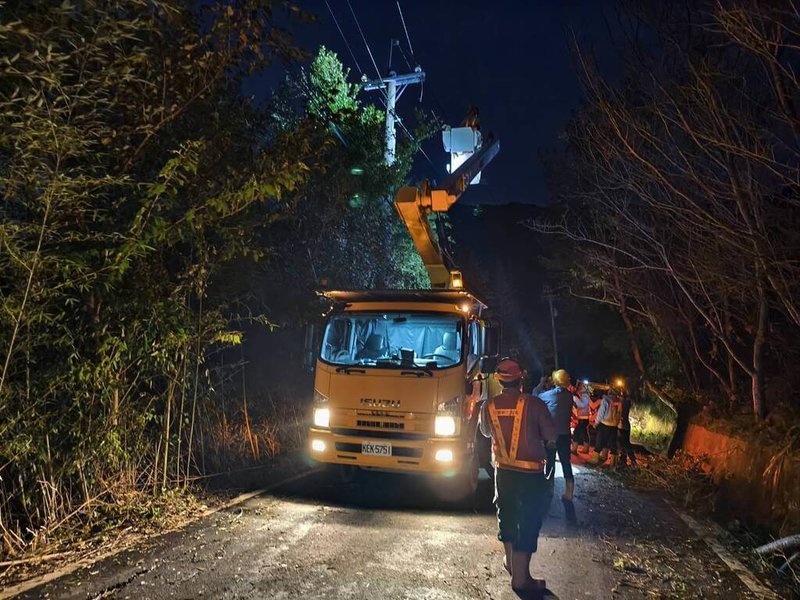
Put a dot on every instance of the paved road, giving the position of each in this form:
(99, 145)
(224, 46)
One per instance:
(387, 537)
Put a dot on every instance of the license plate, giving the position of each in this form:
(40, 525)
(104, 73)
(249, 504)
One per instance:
(376, 448)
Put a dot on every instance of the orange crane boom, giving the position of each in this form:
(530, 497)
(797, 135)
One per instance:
(413, 204)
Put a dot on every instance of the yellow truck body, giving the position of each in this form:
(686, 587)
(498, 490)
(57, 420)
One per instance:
(399, 383)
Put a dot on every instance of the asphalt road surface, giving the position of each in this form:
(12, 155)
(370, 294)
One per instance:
(388, 537)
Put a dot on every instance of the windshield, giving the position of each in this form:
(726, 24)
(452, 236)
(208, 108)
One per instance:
(393, 339)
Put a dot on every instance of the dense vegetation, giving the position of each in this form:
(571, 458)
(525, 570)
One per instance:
(150, 215)
(679, 198)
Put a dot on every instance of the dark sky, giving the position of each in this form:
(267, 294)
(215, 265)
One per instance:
(511, 58)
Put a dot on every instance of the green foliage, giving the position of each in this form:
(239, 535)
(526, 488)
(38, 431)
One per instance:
(148, 212)
(133, 176)
(346, 232)
(329, 92)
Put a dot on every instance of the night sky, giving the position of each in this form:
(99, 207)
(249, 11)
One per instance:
(511, 58)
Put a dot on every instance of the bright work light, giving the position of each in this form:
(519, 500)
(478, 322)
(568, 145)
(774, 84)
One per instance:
(318, 446)
(444, 455)
(322, 417)
(445, 425)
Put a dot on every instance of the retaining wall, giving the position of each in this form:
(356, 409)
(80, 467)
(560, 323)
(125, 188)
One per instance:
(757, 483)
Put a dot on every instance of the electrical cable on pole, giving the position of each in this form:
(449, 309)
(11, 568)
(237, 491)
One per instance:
(363, 37)
(403, 21)
(387, 87)
(346, 43)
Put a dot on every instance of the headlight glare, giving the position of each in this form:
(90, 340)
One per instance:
(322, 417)
(444, 455)
(444, 425)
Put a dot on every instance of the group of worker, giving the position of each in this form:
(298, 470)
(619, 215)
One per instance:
(527, 432)
(606, 418)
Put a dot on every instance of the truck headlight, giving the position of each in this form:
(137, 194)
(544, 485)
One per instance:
(322, 417)
(444, 455)
(444, 425)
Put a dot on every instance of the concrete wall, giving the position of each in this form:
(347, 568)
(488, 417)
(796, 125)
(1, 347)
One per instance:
(756, 483)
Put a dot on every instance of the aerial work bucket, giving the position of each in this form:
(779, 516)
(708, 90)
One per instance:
(461, 143)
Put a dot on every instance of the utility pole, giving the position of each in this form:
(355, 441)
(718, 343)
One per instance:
(548, 294)
(394, 85)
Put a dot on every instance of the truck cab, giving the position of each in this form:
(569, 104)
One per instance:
(399, 383)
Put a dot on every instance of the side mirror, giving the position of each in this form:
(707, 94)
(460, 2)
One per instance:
(488, 364)
(492, 341)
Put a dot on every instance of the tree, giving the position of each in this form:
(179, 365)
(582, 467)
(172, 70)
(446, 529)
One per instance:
(149, 211)
(685, 179)
(132, 174)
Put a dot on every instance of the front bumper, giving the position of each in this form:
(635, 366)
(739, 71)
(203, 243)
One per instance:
(408, 455)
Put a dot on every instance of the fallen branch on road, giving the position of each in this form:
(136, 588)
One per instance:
(781, 545)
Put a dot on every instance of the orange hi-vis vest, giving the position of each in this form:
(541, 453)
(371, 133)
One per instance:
(516, 454)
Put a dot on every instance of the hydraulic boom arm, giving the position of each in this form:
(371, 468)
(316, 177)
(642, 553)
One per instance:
(414, 203)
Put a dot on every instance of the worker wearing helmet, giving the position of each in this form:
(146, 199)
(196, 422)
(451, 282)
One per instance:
(559, 401)
(520, 428)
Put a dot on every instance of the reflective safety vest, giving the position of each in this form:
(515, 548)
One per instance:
(513, 455)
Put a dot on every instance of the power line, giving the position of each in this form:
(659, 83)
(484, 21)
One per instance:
(403, 21)
(346, 43)
(363, 37)
(384, 96)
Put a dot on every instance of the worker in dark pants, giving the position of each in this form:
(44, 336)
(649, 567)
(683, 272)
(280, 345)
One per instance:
(521, 428)
(607, 421)
(559, 402)
(582, 401)
(624, 434)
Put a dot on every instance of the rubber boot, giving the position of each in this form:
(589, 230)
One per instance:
(521, 580)
(601, 459)
(569, 489)
(508, 547)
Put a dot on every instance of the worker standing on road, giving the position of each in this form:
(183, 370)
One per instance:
(624, 433)
(520, 427)
(559, 401)
(580, 437)
(607, 420)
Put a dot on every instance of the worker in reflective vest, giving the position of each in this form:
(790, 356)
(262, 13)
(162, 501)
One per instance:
(521, 428)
